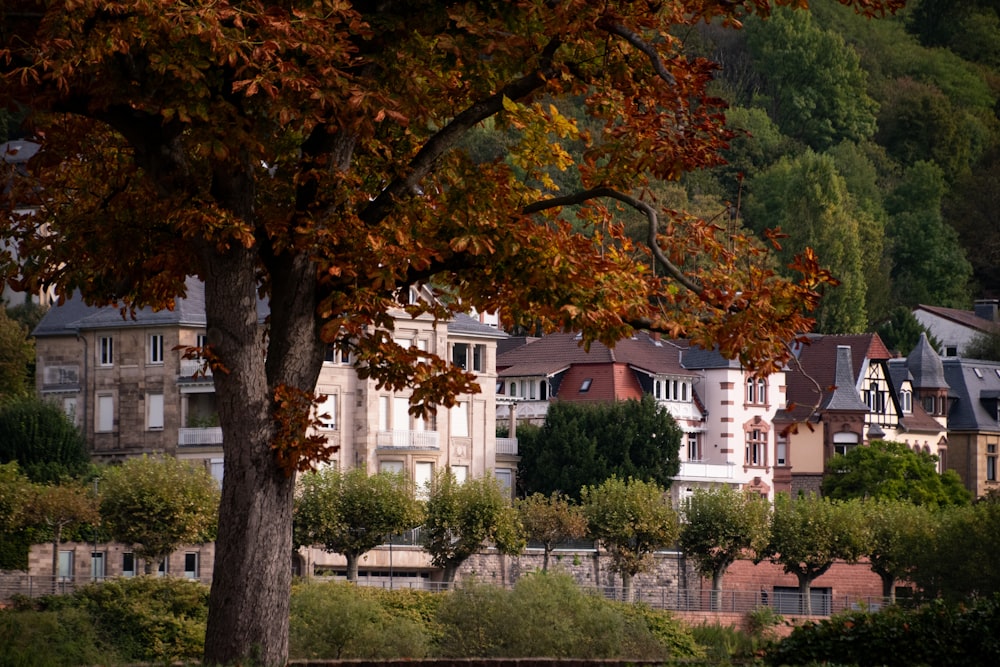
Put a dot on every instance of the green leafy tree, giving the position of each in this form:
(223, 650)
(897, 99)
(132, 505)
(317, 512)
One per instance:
(157, 504)
(899, 529)
(42, 439)
(983, 346)
(351, 512)
(901, 332)
(57, 509)
(892, 471)
(631, 519)
(809, 534)
(551, 520)
(807, 198)
(14, 494)
(929, 263)
(720, 526)
(816, 87)
(584, 444)
(463, 518)
(17, 358)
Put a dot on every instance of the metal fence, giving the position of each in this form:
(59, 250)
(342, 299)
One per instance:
(658, 597)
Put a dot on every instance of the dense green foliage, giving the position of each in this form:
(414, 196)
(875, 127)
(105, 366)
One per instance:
(162, 620)
(352, 512)
(157, 504)
(585, 444)
(41, 438)
(936, 634)
(892, 471)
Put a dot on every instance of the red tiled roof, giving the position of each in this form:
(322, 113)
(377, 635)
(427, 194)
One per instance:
(608, 382)
(556, 352)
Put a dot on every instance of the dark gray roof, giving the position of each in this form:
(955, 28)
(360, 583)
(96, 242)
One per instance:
(469, 326)
(697, 358)
(899, 373)
(75, 314)
(845, 392)
(925, 366)
(970, 382)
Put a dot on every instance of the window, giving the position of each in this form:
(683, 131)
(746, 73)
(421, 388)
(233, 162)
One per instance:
(585, 385)
(460, 355)
(128, 564)
(106, 351)
(105, 413)
(781, 452)
(216, 467)
(756, 449)
(460, 420)
(844, 442)
(506, 478)
(326, 412)
(756, 391)
(156, 349)
(929, 404)
(991, 463)
(65, 566)
(383, 413)
(906, 401)
(461, 473)
(69, 409)
(330, 353)
(479, 358)
(97, 565)
(513, 389)
(392, 467)
(191, 565)
(201, 341)
(423, 473)
(951, 351)
(154, 412)
(693, 447)
(164, 568)
(400, 414)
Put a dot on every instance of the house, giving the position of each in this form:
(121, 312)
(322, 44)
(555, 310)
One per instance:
(125, 383)
(844, 392)
(734, 447)
(974, 422)
(956, 329)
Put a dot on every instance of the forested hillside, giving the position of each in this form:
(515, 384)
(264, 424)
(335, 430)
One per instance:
(876, 142)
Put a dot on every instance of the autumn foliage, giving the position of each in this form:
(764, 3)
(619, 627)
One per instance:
(314, 151)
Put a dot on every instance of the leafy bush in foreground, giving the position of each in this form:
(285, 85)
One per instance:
(63, 638)
(936, 634)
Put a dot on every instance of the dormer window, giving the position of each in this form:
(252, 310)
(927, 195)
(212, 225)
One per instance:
(906, 401)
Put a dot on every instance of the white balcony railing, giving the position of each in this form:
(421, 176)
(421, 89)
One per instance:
(698, 470)
(407, 439)
(199, 437)
(190, 367)
(507, 446)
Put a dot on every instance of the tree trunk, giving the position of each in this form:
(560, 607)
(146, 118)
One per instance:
(249, 603)
(545, 558)
(448, 576)
(627, 586)
(56, 538)
(352, 566)
(889, 587)
(716, 590)
(805, 599)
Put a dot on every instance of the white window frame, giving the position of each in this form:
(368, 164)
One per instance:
(106, 351)
(154, 411)
(755, 455)
(191, 573)
(155, 349)
(326, 412)
(460, 420)
(104, 419)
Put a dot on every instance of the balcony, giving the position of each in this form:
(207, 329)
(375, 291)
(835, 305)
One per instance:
(199, 437)
(507, 446)
(407, 440)
(699, 470)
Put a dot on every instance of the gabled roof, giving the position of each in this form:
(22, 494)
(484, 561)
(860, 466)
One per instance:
(556, 352)
(966, 318)
(74, 314)
(816, 364)
(971, 382)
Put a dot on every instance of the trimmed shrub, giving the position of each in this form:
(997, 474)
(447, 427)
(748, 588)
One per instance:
(338, 621)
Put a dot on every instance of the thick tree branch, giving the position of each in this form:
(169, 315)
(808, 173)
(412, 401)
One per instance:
(452, 133)
(638, 42)
(641, 206)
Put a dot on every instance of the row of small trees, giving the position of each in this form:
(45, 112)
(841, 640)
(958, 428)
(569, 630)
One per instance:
(152, 504)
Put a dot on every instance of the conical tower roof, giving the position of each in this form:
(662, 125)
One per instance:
(925, 366)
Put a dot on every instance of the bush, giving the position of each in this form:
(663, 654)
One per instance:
(936, 634)
(338, 621)
(149, 619)
(721, 643)
(548, 615)
(49, 639)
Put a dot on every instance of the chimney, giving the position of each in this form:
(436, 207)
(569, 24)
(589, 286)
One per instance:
(987, 309)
